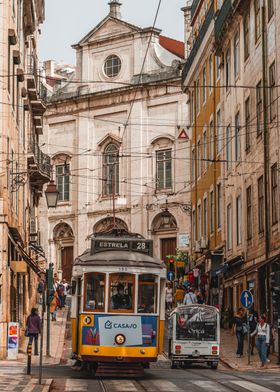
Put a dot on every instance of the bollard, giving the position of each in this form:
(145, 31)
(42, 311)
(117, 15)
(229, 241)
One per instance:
(29, 353)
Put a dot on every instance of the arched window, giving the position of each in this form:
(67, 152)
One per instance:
(111, 170)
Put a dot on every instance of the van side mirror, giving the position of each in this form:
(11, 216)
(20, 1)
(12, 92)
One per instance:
(73, 287)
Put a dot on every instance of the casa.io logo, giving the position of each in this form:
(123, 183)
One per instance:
(108, 324)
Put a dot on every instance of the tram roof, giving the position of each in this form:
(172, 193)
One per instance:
(118, 258)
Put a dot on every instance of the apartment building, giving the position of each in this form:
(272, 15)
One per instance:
(246, 37)
(24, 167)
(201, 81)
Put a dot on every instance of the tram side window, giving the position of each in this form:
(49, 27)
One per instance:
(121, 292)
(147, 294)
(95, 291)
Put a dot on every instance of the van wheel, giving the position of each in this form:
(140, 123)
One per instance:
(173, 365)
(214, 365)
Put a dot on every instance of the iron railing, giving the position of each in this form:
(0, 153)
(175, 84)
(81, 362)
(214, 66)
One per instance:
(32, 66)
(201, 35)
(223, 14)
(194, 7)
(42, 160)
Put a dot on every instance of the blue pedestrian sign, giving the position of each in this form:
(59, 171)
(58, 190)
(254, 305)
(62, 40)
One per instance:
(170, 276)
(246, 299)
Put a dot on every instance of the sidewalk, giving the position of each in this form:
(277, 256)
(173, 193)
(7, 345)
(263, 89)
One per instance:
(228, 355)
(13, 376)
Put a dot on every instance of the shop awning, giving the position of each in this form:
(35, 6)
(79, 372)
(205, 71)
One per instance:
(253, 268)
(220, 270)
(16, 239)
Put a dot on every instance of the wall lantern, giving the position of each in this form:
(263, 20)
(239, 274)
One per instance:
(51, 195)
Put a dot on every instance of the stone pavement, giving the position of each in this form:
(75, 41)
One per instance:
(13, 376)
(229, 358)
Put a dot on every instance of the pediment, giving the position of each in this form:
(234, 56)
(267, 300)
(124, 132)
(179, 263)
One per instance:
(109, 138)
(108, 28)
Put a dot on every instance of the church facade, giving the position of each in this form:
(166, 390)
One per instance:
(117, 133)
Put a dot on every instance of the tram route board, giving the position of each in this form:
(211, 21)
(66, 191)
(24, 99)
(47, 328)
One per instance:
(130, 245)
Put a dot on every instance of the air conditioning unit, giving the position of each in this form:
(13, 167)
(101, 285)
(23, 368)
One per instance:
(197, 247)
(204, 243)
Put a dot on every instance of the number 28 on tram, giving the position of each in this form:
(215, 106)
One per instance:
(117, 309)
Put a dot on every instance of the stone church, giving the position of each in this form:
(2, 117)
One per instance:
(116, 130)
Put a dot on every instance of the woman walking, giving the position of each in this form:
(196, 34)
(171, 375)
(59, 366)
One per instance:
(262, 342)
(237, 329)
(168, 297)
(33, 326)
(54, 305)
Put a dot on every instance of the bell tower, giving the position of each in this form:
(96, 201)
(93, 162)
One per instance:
(115, 9)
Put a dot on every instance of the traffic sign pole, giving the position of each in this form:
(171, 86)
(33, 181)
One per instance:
(247, 301)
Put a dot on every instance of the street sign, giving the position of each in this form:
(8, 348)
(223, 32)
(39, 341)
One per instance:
(246, 299)
(170, 276)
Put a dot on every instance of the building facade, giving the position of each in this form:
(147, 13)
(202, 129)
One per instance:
(235, 150)
(118, 141)
(24, 167)
(201, 80)
(246, 37)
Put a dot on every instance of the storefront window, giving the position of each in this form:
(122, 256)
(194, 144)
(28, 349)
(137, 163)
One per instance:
(95, 291)
(122, 293)
(147, 294)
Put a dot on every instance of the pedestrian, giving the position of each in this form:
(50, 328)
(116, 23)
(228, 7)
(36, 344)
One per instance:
(253, 321)
(238, 330)
(179, 293)
(199, 297)
(60, 292)
(65, 291)
(33, 327)
(168, 297)
(190, 297)
(54, 305)
(262, 332)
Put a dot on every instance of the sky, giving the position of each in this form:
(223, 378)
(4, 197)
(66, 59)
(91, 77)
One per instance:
(67, 21)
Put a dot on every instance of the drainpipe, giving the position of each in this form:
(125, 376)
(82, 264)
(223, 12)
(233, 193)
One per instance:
(266, 153)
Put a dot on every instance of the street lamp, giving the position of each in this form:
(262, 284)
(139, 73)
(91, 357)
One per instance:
(51, 195)
(167, 217)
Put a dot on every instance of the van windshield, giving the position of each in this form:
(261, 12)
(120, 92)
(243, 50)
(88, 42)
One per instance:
(196, 323)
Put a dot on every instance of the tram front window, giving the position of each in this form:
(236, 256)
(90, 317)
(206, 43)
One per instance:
(121, 292)
(147, 294)
(94, 291)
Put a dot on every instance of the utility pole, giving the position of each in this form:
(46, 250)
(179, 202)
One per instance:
(49, 274)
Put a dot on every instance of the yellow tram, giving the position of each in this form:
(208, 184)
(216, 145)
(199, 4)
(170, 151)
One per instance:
(117, 307)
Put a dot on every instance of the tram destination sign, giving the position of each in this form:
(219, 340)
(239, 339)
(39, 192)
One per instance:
(129, 245)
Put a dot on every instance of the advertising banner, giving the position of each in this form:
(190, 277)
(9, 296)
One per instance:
(13, 340)
(111, 326)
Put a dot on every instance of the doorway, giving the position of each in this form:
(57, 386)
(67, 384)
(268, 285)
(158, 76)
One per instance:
(168, 247)
(67, 262)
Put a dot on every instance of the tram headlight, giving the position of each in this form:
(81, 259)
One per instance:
(87, 320)
(120, 339)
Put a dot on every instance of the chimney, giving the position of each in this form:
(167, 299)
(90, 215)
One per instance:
(115, 9)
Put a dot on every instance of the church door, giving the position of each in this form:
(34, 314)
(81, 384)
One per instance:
(67, 262)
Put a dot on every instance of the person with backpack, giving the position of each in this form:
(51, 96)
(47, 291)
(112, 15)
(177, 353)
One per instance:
(190, 297)
(238, 330)
(33, 328)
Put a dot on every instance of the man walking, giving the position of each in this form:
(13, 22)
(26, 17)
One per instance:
(190, 297)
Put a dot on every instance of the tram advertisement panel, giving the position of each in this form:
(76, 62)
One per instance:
(137, 330)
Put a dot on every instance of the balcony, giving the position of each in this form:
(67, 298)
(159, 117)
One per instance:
(225, 17)
(194, 7)
(200, 38)
(39, 167)
(222, 18)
